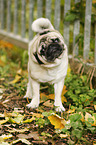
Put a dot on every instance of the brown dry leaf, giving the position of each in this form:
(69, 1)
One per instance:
(48, 104)
(57, 121)
(40, 142)
(17, 78)
(33, 135)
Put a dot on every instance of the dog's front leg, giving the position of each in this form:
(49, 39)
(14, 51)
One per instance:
(34, 86)
(58, 87)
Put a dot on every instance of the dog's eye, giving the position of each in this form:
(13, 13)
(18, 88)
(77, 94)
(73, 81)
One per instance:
(57, 40)
(42, 52)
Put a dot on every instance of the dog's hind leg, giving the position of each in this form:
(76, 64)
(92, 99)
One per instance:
(34, 86)
(58, 87)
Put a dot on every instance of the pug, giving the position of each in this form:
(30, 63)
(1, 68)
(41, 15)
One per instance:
(48, 62)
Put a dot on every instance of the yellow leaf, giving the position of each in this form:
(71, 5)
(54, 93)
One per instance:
(64, 90)
(19, 71)
(28, 120)
(95, 107)
(82, 119)
(17, 78)
(71, 111)
(56, 121)
(4, 136)
(37, 115)
(51, 96)
(4, 121)
(63, 98)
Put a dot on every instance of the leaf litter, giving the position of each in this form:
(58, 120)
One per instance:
(20, 125)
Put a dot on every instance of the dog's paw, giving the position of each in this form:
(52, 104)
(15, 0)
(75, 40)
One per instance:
(34, 104)
(59, 108)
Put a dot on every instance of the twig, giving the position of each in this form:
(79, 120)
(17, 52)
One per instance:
(3, 105)
(79, 68)
(92, 78)
(82, 71)
(89, 75)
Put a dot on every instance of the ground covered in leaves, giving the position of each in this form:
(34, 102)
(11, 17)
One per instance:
(20, 125)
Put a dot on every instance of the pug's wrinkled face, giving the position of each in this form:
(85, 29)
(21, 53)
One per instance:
(51, 48)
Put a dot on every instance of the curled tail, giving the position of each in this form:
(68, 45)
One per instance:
(40, 24)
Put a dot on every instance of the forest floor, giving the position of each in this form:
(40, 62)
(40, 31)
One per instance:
(20, 125)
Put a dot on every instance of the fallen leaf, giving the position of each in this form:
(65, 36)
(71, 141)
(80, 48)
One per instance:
(19, 71)
(87, 116)
(45, 97)
(63, 135)
(4, 121)
(4, 143)
(18, 130)
(95, 107)
(40, 142)
(71, 111)
(29, 120)
(35, 135)
(17, 119)
(2, 115)
(17, 78)
(25, 141)
(46, 134)
(48, 104)
(37, 115)
(4, 136)
(56, 121)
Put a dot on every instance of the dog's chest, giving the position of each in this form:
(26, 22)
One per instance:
(50, 75)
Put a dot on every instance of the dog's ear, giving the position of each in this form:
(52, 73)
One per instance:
(41, 24)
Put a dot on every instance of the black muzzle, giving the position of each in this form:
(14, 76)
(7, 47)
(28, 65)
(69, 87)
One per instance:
(53, 51)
